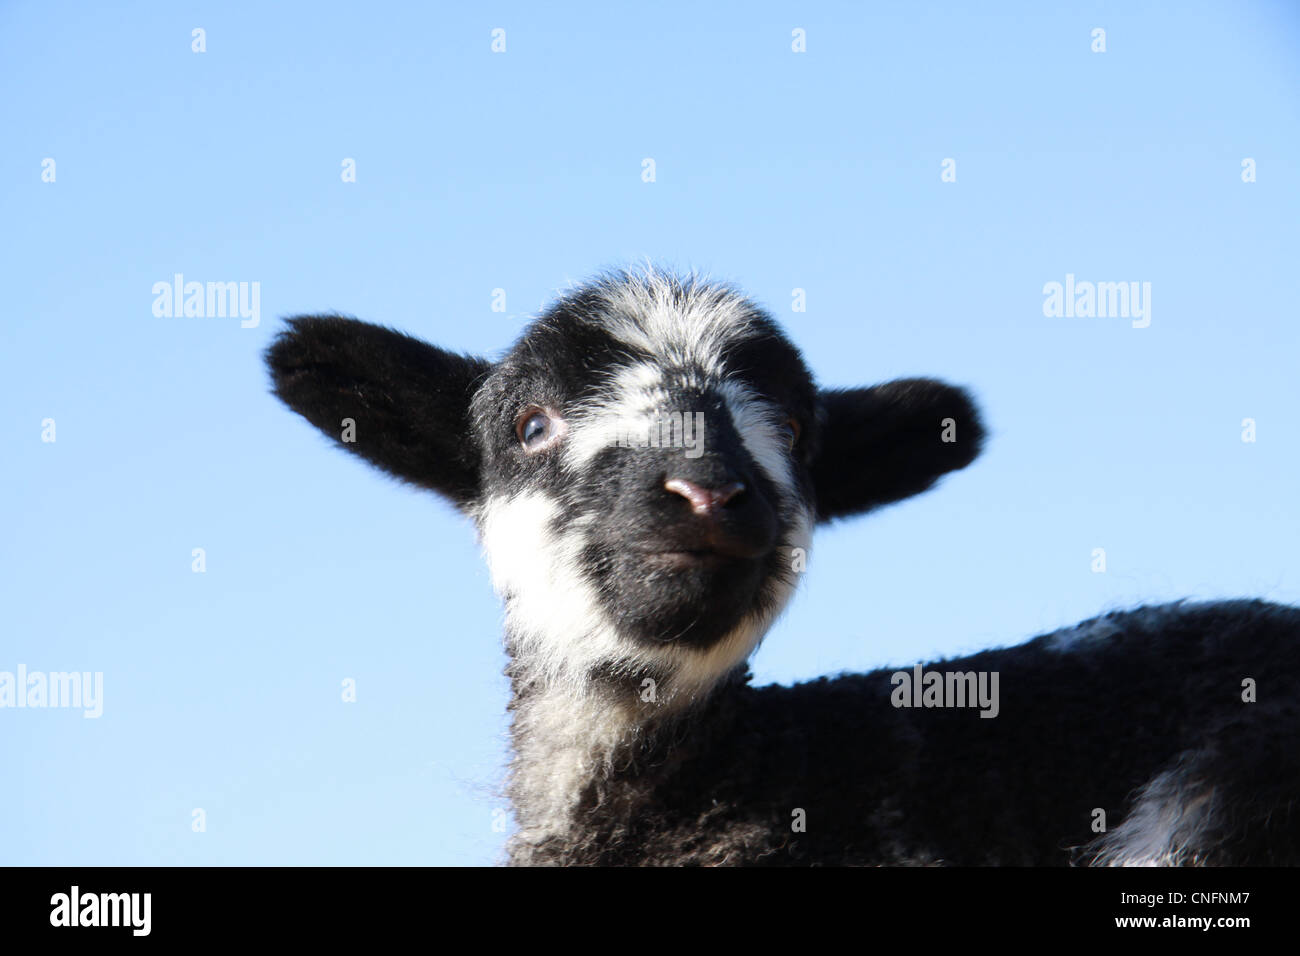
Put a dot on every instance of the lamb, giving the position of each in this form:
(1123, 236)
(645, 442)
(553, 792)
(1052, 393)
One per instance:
(645, 467)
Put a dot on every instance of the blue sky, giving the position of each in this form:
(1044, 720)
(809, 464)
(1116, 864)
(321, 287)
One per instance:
(522, 171)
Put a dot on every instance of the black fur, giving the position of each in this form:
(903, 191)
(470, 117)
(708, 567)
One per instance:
(884, 437)
(1078, 730)
(409, 400)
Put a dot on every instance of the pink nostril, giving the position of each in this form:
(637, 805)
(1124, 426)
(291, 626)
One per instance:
(704, 501)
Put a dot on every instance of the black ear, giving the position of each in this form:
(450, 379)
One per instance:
(890, 442)
(408, 400)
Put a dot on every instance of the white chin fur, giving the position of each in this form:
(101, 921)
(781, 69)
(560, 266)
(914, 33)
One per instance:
(557, 622)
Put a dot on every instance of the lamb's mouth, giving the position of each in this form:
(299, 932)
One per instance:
(710, 547)
(681, 592)
(703, 556)
(690, 558)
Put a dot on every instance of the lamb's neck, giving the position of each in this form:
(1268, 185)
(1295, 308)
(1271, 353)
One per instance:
(583, 751)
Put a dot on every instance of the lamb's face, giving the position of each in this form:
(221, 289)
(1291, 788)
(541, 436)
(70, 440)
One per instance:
(645, 465)
(645, 471)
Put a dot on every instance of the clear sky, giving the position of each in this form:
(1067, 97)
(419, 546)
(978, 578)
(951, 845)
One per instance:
(522, 171)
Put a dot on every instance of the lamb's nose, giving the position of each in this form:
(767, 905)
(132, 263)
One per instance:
(704, 501)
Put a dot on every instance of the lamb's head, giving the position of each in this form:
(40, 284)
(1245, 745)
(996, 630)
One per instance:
(645, 465)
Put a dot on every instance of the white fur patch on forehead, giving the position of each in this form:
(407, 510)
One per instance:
(688, 322)
(636, 391)
(758, 423)
(635, 402)
(554, 616)
(641, 390)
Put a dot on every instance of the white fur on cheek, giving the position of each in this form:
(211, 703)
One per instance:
(551, 608)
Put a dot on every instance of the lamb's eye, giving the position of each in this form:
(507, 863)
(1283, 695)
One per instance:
(790, 428)
(534, 428)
